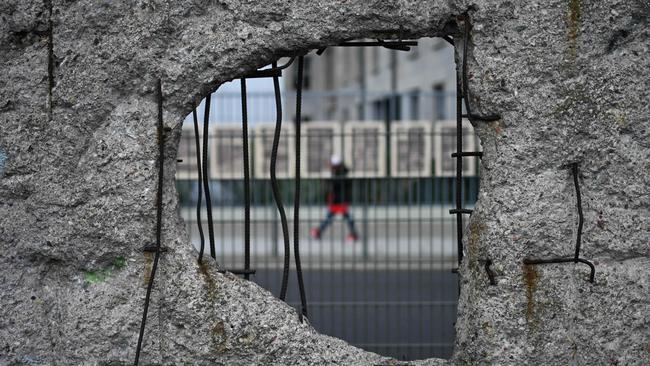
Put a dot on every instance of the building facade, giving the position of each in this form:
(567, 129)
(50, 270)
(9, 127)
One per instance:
(376, 83)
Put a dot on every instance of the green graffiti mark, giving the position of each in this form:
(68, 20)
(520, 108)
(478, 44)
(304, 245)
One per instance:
(96, 276)
(119, 262)
(100, 275)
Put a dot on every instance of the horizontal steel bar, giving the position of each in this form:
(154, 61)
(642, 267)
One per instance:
(377, 44)
(153, 249)
(468, 153)
(488, 118)
(238, 271)
(265, 73)
(393, 45)
(460, 211)
(564, 260)
(547, 261)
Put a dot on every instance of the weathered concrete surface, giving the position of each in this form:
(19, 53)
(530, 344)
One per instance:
(78, 188)
(570, 79)
(77, 191)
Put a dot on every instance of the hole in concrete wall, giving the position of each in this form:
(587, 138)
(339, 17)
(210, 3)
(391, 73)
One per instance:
(382, 281)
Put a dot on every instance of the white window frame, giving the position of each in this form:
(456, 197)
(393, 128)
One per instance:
(400, 130)
(263, 141)
(469, 144)
(216, 131)
(337, 147)
(349, 129)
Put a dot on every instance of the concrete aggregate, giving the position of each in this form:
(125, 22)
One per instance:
(78, 178)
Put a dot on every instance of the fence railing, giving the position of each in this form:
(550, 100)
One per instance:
(370, 149)
(390, 289)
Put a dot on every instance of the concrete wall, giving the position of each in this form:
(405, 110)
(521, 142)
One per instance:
(77, 193)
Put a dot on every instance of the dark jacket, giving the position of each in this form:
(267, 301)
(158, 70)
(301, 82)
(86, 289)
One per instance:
(339, 186)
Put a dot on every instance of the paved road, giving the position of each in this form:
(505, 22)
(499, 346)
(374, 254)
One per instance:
(391, 292)
(404, 314)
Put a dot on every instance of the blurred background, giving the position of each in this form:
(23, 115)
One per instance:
(389, 117)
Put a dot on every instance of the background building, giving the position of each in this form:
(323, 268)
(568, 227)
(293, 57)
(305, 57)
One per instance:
(375, 83)
(391, 116)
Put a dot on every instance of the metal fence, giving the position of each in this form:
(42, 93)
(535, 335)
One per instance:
(391, 290)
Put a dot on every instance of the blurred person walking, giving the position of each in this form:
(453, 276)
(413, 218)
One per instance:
(338, 197)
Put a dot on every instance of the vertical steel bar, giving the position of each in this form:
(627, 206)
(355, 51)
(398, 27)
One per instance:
(459, 162)
(206, 175)
(275, 188)
(228, 138)
(199, 180)
(574, 169)
(247, 182)
(296, 199)
(364, 219)
(465, 83)
(159, 197)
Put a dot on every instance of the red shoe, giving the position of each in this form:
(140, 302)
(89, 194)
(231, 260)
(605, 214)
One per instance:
(352, 237)
(315, 233)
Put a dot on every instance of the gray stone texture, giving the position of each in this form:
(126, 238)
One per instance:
(78, 185)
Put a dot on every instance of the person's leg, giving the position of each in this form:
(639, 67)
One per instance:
(326, 222)
(350, 221)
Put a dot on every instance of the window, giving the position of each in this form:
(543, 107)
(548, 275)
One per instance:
(226, 157)
(439, 101)
(263, 142)
(445, 145)
(395, 108)
(345, 114)
(365, 148)
(411, 149)
(375, 60)
(388, 107)
(378, 110)
(348, 67)
(320, 140)
(330, 61)
(414, 98)
(361, 111)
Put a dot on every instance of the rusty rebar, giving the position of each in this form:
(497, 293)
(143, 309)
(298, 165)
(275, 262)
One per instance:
(247, 181)
(274, 185)
(200, 183)
(159, 197)
(465, 83)
(296, 198)
(576, 257)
